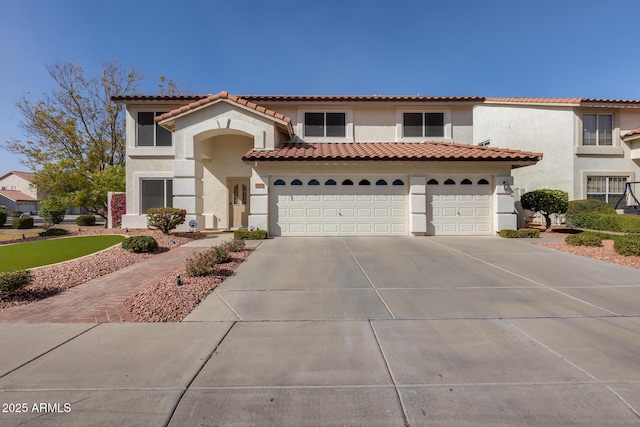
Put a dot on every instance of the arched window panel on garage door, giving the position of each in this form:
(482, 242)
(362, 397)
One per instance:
(330, 182)
(296, 182)
(449, 182)
(364, 182)
(433, 182)
(483, 182)
(279, 182)
(381, 182)
(347, 182)
(314, 182)
(466, 181)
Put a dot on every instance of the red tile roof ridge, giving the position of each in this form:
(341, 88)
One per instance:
(361, 98)
(633, 132)
(222, 95)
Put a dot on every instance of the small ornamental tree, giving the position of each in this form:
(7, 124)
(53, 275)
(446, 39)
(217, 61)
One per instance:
(118, 208)
(165, 219)
(546, 202)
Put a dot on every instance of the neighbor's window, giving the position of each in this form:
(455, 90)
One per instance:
(325, 124)
(149, 133)
(423, 125)
(607, 188)
(597, 129)
(156, 193)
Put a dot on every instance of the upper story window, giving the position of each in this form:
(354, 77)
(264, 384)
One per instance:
(423, 125)
(597, 129)
(149, 133)
(325, 124)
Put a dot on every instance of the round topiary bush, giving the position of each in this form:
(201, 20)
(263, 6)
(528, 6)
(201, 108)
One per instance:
(584, 239)
(628, 245)
(140, 244)
(86, 220)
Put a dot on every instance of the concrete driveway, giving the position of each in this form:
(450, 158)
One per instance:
(357, 331)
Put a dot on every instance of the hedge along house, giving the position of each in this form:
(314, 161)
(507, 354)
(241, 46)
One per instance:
(318, 165)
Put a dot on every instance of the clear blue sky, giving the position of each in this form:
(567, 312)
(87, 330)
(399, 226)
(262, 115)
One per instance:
(541, 48)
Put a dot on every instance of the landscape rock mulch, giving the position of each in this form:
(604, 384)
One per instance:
(168, 302)
(604, 253)
(51, 280)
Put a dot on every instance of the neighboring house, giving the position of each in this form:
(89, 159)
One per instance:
(591, 147)
(17, 193)
(319, 165)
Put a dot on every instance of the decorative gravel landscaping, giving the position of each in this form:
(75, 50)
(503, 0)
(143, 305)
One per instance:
(54, 279)
(167, 302)
(604, 253)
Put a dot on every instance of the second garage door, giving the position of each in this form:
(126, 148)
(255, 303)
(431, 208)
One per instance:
(459, 206)
(338, 206)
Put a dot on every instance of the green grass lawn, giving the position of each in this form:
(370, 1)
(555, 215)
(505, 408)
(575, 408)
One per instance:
(35, 254)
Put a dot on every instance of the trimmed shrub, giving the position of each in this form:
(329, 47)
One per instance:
(235, 245)
(243, 233)
(53, 232)
(3, 216)
(118, 208)
(546, 202)
(165, 219)
(628, 223)
(86, 220)
(580, 209)
(628, 245)
(204, 263)
(13, 280)
(584, 239)
(140, 244)
(52, 216)
(22, 223)
(528, 233)
(508, 233)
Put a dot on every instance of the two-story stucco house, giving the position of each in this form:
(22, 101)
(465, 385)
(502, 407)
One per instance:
(319, 165)
(17, 193)
(591, 147)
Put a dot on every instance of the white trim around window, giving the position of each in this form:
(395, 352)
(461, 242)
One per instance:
(138, 177)
(584, 191)
(300, 125)
(400, 115)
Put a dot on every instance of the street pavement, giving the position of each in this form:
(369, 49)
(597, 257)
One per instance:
(368, 331)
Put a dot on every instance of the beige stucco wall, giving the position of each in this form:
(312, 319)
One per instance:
(14, 182)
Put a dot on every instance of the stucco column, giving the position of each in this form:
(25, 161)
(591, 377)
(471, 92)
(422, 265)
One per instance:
(259, 200)
(187, 191)
(505, 217)
(418, 205)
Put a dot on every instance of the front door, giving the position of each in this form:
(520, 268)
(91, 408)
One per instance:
(239, 202)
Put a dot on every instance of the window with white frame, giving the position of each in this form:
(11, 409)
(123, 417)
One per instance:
(150, 134)
(325, 124)
(597, 129)
(155, 193)
(607, 189)
(423, 125)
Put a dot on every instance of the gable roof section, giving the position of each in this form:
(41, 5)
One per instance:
(420, 151)
(225, 96)
(28, 176)
(17, 196)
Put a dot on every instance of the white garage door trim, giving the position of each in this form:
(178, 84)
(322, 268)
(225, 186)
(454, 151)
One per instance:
(339, 205)
(459, 205)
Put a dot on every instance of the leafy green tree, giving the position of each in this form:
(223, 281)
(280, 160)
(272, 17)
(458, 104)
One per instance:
(547, 202)
(76, 135)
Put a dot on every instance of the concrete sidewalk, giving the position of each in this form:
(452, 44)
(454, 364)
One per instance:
(354, 331)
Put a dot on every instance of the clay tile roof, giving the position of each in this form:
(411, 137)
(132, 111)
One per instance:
(631, 133)
(222, 95)
(17, 196)
(24, 175)
(361, 98)
(163, 98)
(610, 101)
(389, 151)
(519, 100)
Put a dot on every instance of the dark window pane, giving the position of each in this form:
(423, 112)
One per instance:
(605, 129)
(398, 182)
(313, 124)
(330, 182)
(449, 182)
(347, 182)
(434, 124)
(412, 124)
(433, 182)
(169, 193)
(466, 181)
(483, 182)
(152, 194)
(336, 125)
(279, 182)
(296, 182)
(589, 129)
(163, 136)
(364, 182)
(146, 129)
(381, 182)
(314, 182)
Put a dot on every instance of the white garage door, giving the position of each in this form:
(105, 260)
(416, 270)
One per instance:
(338, 206)
(459, 205)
